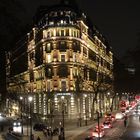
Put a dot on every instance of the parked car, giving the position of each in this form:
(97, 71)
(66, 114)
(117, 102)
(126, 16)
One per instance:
(39, 127)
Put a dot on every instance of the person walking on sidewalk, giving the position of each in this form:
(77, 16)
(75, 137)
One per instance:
(38, 138)
(32, 137)
(125, 120)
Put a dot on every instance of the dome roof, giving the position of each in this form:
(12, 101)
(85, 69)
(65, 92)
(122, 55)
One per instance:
(64, 5)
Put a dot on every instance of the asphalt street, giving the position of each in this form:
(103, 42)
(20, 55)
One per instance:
(133, 129)
(119, 131)
(110, 133)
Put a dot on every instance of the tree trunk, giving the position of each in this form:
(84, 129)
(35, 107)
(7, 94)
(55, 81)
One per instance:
(111, 107)
(93, 109)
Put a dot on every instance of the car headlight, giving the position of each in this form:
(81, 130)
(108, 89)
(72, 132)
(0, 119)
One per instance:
(19, 123)
(14, 123)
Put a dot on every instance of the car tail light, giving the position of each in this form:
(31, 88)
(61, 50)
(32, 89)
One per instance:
(92, 134)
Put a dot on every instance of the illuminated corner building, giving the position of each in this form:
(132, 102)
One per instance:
(57, 60)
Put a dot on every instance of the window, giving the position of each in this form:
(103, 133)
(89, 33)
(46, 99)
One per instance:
(67, 32)
(102, 62)
(63, 85)
(31, 56)
(61, 21)
(74, 33)
(38, 36)
(108, 66)
(62, 71)
(61, 13)
(62, 46)
(92, 55)
(57, 32)
(48, 34)
(49, 58)
(48, 48)
(92, 75)
(62, 32)
(55, 14)
(55, 83)
(48, 72)
(84, 51)
(85, 73)
(38, 54)
(76, 46)
(51, 23)
(31, 75)
(48, 85)
(62, 58)
(74, 57)
(55, 55)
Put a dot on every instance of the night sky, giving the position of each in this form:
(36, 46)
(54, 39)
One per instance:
(117, 20)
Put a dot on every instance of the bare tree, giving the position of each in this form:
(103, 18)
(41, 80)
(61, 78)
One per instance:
(100, 87)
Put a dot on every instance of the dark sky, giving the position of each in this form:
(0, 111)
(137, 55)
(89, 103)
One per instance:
(118, 20)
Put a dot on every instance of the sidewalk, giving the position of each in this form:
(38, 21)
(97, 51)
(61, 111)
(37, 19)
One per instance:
(71, 131)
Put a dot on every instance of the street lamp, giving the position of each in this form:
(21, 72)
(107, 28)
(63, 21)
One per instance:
(108, 94)
(85, 110)
(98, 117)
(21, 98)
(30, 101)
(63, 119)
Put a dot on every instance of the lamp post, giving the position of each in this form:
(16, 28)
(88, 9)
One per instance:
(98, 117)
(108, 94)
(63, 119)
(30, 101)
(21, 98)
(85, 110)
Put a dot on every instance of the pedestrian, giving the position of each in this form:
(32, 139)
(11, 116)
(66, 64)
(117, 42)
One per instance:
(38, 138)
(32, 137)
(126, 117)
(125, 122)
